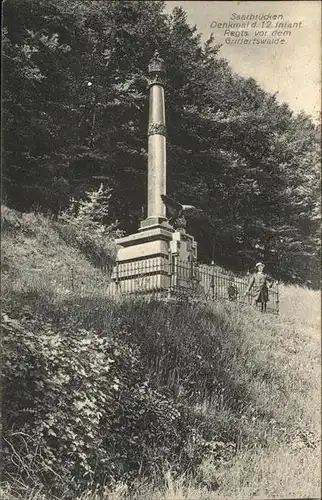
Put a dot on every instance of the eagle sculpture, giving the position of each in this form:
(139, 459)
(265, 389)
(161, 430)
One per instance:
(176, 210)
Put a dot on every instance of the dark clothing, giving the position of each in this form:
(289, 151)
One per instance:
(258, 283)
(232, 292)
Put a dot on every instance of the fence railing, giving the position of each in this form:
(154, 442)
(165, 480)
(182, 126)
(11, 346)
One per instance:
(160, 277)
(185, 280)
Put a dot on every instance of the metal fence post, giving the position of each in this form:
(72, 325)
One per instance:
(175, 265)
(116, 280)
(191, 269)
(72, 278)
(170, 271)
(213, 282)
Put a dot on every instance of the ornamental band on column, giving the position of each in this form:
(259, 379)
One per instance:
(157, 128)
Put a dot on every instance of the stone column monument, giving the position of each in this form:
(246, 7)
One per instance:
(145, 257)
(156, 143)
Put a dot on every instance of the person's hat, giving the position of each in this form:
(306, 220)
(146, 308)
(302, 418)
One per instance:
(260, 264)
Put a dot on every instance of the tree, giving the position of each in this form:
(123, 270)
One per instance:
(75, 113)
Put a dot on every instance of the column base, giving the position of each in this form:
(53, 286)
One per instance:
(152, 222)
(155, 259)
(143, 260)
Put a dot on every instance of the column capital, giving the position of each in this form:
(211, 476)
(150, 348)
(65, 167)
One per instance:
(156, 70)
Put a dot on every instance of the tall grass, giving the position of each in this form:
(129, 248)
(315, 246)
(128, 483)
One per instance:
(42, 257)
(262, 391)
(251, 380)
(282, 469)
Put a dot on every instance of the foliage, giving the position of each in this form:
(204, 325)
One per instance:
(100, 393)
(86, 224)
(79, 410)
(45, 257)
(75, 111)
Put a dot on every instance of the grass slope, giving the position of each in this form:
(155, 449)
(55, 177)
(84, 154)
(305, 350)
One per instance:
(46, 256)
(248, 379)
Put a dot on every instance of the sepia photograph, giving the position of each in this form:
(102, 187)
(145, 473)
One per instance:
(161, 250)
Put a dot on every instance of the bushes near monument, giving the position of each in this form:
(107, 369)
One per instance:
(81, 410)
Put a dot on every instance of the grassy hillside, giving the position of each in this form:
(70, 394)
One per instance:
(183, 402)
(41, 254)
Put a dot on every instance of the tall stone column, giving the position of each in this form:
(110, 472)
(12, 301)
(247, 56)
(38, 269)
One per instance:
(156, 143)
(145, 258)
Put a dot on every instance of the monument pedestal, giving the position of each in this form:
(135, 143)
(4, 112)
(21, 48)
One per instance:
(155, 259)
(183, 246)
(183, 255)
(143, 259)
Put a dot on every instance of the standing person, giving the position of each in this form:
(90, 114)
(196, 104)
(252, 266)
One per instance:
(232, 290)
(258, 283)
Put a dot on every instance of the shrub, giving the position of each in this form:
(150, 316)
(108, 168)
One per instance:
(79, 411)
(86, 224)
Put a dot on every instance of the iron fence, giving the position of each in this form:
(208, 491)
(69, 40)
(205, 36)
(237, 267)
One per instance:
(162, 277)
(186, 280)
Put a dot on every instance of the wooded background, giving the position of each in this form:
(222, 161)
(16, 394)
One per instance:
(75, 109)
